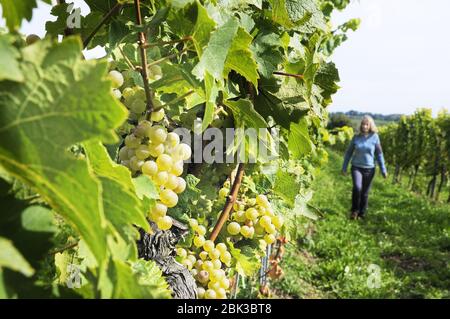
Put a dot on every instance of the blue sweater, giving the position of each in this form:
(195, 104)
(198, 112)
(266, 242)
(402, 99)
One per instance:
(366, 148)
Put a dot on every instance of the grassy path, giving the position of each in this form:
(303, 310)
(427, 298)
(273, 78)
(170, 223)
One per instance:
(405, 237)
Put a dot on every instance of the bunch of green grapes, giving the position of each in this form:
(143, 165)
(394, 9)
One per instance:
(152, 151)
(134, 98)
(254, 218)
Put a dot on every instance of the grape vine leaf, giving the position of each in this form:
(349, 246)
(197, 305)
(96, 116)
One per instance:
(9, 66)
(245, 115)
(64, 100)
(286, 186)
(214, 55)
(240, 58)
(120, 202)
(299, 143)
(11, 258)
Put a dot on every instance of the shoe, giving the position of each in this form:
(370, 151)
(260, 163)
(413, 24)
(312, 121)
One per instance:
(354, 215)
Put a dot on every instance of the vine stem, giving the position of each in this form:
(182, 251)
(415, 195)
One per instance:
(231, 198)
(60, 250)
(298, 76)
(144, 64)
(105, 18)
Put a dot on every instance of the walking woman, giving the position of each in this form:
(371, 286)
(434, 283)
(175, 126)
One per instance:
(364, 148)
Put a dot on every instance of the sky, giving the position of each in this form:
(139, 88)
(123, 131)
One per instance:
(398, 61)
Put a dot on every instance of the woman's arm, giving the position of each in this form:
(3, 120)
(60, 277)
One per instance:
(380, 157)
(348, 154)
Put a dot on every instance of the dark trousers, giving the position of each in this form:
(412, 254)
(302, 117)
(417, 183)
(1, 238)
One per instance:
(362, 180)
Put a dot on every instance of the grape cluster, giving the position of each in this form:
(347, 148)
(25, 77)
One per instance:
(254, 217)
(207, 269)
(134, 97)
(152, 151)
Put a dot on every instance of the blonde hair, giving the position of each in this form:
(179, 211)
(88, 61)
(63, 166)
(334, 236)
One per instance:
(372, 127)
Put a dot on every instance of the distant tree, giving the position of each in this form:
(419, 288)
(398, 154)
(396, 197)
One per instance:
(338, 120)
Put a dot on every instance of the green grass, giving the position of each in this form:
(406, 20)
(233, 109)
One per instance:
(405, 235)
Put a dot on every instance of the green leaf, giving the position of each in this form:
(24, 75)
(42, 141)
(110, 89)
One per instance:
(245, 261)
(211, 92)
(299, 143)
(9, 67)
(121, 204)
(266, 50)
(64, 100)
(326, 78)
(11, 258)
(137, 283)
(286, 187)
(240, 58)
(245, 115)
(149, 274)
(213, 58)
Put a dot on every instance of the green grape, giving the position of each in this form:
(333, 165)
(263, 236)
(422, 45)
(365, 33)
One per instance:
(223, 192)
(32, 38)
(172, 139)
(208, 265)
(264, 221)
(194, 272)
(192, 259)
(214, 254)
(142, 152)
(246, 231)
(198, 264)
(203, 255)
(251, 213)
(157, 134)
(269, 211)
(233, 228)
(193, 223)
(157, 115)
(125, 163)
(269, 238)
(259, 230)
(221, 247)
(187, 263)
(164, 223)
(240, 216)
(201, 230)
(199, 241)
(172, 182)
(210, 294)
(149, 168)
(123, 153)
(154, 72)
(131, 141)
(137, 106)
(277, 221)
(164, 162)
(208, 246)
(217, 275)
(181, 252)
(135, 163)
(168, 197)
(177, 168)
(117, 94)
(127, 93)
(225, 283)
(270, 229)
(225, 257)
(131, 152)
(182, 152)
(116, 78)
(221, 293)
(160, 210)
(142, 128)
(200, 292)
(181, 185)
(161, 178)
(156, 149)
(262, 200)
(217, 264)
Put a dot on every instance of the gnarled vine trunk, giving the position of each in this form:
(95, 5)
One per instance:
(160, 247)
